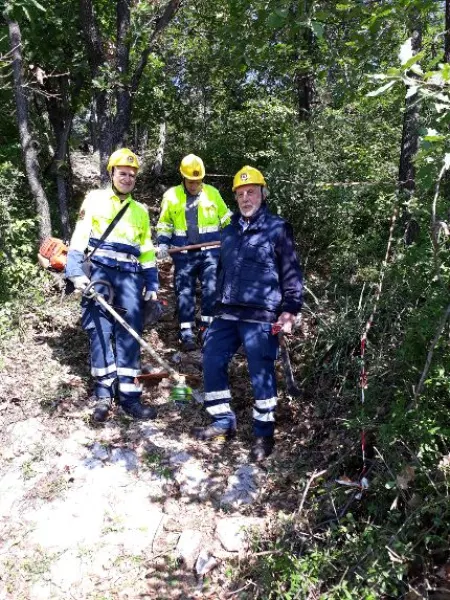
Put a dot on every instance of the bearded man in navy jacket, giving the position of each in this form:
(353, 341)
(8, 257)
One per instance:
(259, 284)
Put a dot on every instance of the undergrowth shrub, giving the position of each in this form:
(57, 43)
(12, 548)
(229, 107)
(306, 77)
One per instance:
(396, 535)
(19, 273)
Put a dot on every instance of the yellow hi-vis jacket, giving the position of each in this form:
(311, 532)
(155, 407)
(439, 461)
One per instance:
(128, 247)
(213, 215)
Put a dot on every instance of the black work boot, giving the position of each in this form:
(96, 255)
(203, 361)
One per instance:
(101, 409)
(212, 432)
(262, 448)
(187, 339)
(138, 411)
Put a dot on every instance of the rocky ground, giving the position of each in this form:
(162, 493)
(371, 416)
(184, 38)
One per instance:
(126, 509)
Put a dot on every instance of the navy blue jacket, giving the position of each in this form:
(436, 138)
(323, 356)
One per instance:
(259, 276)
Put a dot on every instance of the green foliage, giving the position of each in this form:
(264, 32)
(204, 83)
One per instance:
(27, 8)
(18, 268)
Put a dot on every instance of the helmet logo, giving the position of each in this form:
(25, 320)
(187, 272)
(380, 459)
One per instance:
(130, 158)
(195, 173)
(244, 176)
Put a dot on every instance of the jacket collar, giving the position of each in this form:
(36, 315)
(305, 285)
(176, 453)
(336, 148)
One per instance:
(113, 194)
(256, 221)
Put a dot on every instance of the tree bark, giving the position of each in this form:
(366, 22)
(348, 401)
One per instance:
(28, 145)
(123, 120)
(61, 116)
(158, 162)
(97, 58)
(304, 82)
(169, 12)
(409, 146)
(123, 64)
(105, 132)
(447, 32)
(114, 131)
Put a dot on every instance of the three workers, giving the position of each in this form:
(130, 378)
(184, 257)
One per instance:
(192, 213)
(250, 284)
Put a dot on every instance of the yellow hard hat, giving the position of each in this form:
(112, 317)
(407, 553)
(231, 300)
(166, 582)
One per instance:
(123, 158)
(192, 168)
(248, 175)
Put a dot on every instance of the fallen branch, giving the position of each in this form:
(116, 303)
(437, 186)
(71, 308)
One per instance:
(314, 476)
(306, 288)
(238, 591)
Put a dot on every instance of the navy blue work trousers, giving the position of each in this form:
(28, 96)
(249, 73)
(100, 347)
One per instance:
(115, 354)
(261, 348)
(189, 267)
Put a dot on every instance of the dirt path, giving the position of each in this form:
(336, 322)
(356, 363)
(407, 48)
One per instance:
(125, 509)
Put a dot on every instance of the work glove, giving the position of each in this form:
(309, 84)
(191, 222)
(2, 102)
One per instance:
(80, 282)
(149, 295)
(163, 251)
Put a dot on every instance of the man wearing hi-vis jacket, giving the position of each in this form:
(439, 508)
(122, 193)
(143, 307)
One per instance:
(192, 213)
(126, 260)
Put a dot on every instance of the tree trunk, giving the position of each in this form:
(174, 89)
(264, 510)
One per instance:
(105, 133)
(158, 162)
(27, 143)
(114, 130)
(61, 117)
(97, 58)
(447, 32)
(304, 50)
(125, 97)
(62, 159)
(123, 117)
(304, 80)
(93, 129)
(409, 146)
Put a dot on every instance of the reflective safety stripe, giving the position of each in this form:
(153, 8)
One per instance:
(206, 319)
(208, 229)
(122, 256)
(263, 416)
(102, 371)
(113, 239)
(180, 232)
(128, 372)
(164, 227)
(107, 382)
(226, 216)
(187, 325)
(149, 264)
(217, 395)
(268, 403)
(130, 387)
(218, 409)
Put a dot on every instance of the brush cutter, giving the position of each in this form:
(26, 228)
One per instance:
(180, 392)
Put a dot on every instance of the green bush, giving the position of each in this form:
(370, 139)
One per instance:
(19, 272)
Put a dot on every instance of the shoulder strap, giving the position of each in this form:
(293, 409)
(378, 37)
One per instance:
(108, 230)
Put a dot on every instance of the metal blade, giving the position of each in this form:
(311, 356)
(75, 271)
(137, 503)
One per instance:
(291, 387)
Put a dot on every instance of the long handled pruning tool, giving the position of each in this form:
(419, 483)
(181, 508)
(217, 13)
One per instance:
(211, 245)
(291, 387)
(180, 390)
